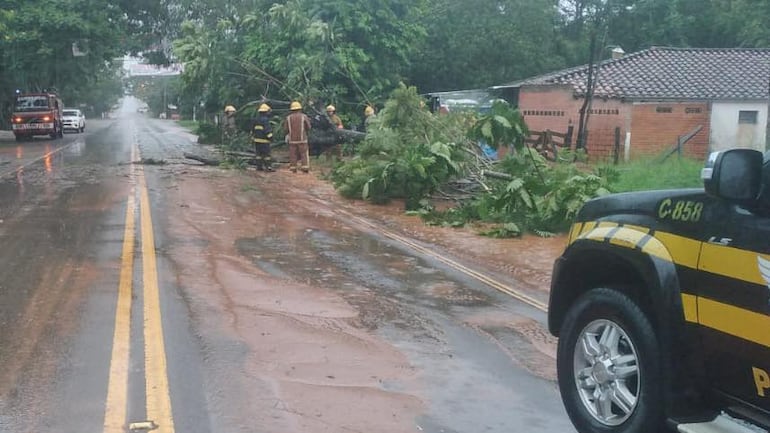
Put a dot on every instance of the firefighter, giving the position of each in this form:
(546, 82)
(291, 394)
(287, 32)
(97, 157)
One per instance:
(262, 135)
(297, 125)
(229, 128)
(368, 116)
(336, 150)
(331, 111)
(230, 117)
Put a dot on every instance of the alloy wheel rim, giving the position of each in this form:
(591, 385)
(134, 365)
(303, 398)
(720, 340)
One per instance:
(606, 371)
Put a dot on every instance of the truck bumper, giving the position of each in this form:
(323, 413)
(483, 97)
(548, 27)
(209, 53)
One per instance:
(27, 129)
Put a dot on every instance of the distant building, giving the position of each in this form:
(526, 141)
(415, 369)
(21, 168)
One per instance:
(474, 100)
(655, 96)
(138, 69)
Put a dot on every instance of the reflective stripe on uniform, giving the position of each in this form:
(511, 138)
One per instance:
(302, 132)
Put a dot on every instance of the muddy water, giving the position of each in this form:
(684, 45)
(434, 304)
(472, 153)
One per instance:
(286, 308)
(331, 327)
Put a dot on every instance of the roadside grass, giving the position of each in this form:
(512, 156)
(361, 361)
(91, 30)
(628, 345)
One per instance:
(192, 125)
(651, 174)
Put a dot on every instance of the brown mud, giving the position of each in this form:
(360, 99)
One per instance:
(307, 359)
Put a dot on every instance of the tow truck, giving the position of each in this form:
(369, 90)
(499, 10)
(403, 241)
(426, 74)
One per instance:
(37, 114)
(661, 302)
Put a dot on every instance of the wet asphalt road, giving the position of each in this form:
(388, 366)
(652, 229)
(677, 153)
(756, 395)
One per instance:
(62, 226)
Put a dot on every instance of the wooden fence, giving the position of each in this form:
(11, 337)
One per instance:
(548, 143)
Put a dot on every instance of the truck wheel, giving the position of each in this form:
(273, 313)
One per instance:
(608, 365)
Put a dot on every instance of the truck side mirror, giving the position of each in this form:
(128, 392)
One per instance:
(735, 175)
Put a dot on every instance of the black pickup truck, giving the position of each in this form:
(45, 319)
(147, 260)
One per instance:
(661, 302)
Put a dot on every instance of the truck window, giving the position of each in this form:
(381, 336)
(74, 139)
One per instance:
(31, 103)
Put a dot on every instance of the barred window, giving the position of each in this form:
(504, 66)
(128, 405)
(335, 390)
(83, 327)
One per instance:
(747, 117)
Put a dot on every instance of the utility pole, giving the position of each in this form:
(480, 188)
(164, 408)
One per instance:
(601, 22)
(165, 104)
(589, 94)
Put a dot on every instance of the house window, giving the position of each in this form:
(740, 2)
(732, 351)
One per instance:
(664, 110)
(693, 110)
(747, 117)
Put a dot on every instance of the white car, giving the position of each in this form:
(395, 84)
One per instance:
(73, 119)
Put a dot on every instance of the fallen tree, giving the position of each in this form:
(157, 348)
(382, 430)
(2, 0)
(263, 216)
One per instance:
(205, 161)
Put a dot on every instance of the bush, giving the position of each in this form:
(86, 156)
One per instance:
(208, 133)
(407, 153)
(540, 197)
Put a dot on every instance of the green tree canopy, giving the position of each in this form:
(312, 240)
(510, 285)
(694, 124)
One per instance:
(348, 53)
(73, 46)
(478, 43)
(354, 52)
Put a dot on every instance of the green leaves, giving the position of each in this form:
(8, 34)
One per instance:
(540, 197)
(36, 48)
(502, 126)
(332, 50)
(502, 121)
(405, 157)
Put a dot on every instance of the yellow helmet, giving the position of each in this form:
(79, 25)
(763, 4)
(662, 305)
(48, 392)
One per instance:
(264, 108)
(295, 106)
(230, 109)
(368, 111)
(331, 108)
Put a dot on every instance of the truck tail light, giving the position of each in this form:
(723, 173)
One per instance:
(16, 120)
(46, 118)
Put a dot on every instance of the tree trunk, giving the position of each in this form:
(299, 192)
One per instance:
(205, 161)
(580, 143)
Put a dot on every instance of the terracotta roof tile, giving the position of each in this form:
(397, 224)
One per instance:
(673, 73)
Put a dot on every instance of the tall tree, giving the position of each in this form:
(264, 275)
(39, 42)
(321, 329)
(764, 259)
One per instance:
(337, 49)
(71, 45)
(478, 43)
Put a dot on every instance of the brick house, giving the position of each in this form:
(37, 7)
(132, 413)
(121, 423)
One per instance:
(654, 97)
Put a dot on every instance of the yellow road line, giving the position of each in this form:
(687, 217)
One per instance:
(156, 373)
(117, 388)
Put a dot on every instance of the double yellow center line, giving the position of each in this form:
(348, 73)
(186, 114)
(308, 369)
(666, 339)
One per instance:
(158, 398)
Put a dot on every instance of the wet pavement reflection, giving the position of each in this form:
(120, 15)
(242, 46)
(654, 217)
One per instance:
(280, 313)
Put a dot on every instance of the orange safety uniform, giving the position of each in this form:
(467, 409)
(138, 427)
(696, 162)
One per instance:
(336, 121)
(297, 125)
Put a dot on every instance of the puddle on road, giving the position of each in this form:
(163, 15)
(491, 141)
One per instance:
(397, 293)
(337, 261)
(419, 308)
